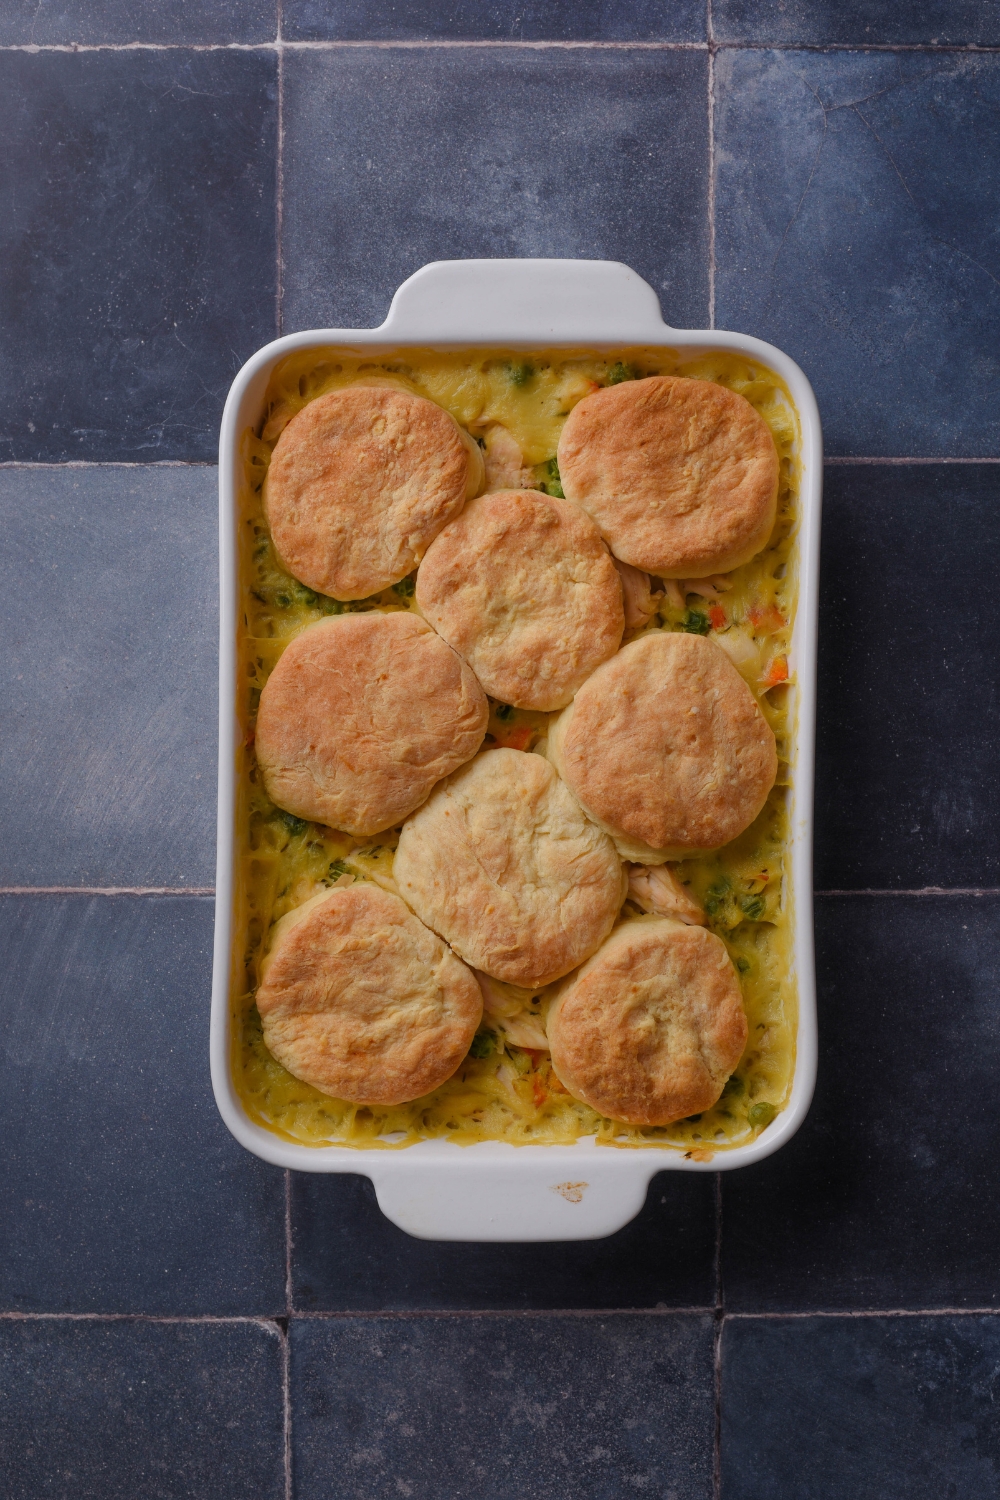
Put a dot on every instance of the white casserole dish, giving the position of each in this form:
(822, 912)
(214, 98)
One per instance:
(495, 1191)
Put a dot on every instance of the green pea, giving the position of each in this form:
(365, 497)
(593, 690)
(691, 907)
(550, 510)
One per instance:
(620, 372)
(695, 623)
(405, 587)
(734, 1086)
(520, 374)
(504, 711)
(753, 907)
(761, 1113)
(283, 600)
(743, 964)
(294, 825)
(483, 1043)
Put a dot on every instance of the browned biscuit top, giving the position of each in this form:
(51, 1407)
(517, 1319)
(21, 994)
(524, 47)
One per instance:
(502, 862)
(361, 716)
(681, 475)
(361, 1001)
(360, 482)
(523, 586)
(666, 747)
(651, 1027)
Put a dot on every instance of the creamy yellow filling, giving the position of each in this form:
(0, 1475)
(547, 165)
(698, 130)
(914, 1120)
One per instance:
(503, 1091)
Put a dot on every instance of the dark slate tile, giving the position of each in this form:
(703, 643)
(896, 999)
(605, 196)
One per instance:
(108, 675)
(102, 22)
(500, 20)
(870, 1408)
(393, 158)
(122, 1189)
(138, 247)
(886, 1198)
(347, 1256)
(550, 1407)
(861, 233)
(907, 791)
(942, 22)
(111, 1411)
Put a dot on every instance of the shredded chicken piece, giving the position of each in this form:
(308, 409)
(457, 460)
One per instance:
(640, 601)
(706, 588)
(497, 1000)
(505, 1004)
(525, 1030)
(655, 888)
(504, 460)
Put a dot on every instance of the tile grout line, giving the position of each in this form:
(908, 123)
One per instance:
(107, 890)
(717, 1347)
(865, 1312)
(926, 890)
(279, 207)
(830, 459)
(401, 44)
(711, 165)
(276, 1321)
(286, 1394)
(111, 463)
(14, 1316)
(402, 1314)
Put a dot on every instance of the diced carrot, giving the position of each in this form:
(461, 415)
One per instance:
(538, 1090)
(766, 618)
(518, 739)
(776, 672)
(717, 617)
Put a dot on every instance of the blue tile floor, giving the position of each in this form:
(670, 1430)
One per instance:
(176, 1318)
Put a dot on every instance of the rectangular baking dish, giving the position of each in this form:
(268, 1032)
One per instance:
(495, 1191)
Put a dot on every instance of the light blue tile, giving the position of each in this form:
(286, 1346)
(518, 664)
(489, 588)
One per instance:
(108, 739)
(138, 246)
(858, 227)
(944, 22)
(123, 1191)
(887, 1197)
(114, 1411)
(871, 1408)
(494, 20)
(109, 22)
(553, 1407)
(394, 157)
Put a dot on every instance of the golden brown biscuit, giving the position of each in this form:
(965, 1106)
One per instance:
(361, 1001)
(502, 862)
(360, 482)
(680, 475)
(361, 716)
(523, 586)
(652, 1026)
(666, 748)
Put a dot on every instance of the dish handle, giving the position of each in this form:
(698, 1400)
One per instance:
(530, 301)
(546, 1196)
